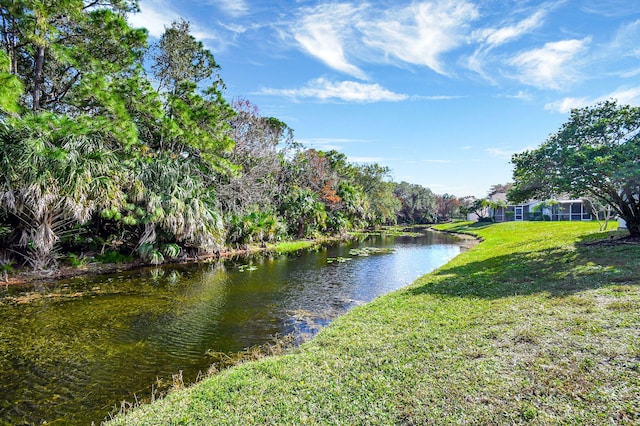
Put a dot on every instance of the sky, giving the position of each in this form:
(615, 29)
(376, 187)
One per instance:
(442, 92)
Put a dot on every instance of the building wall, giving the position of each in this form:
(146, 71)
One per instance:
(573, 210)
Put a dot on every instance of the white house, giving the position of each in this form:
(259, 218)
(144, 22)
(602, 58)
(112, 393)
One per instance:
(564, 209)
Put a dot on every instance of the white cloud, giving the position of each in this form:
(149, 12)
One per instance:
(500, 153)
(567, 104)
(552, 66)
(348, 91)
(489, 39)
(437, 161)
(323, 32)
(630, 73)
(627, 40)
(521, 95)
(420, 33)
(327, 144)
(498, 36)
(157, 15)
(233, 7)
(154, 15)
(623, 96)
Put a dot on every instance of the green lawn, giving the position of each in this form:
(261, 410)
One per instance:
(530, 326)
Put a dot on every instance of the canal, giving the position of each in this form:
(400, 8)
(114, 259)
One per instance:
(72, 351)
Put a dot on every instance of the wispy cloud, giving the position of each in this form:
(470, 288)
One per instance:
(497, 36)
(627, 40)
(323, 32)
(499, 152)
(155, 16)
(232, 7)
(420, 33)
(347, 91)
(611, 8)
(552, 66)
(489, 39)
(630, 96)
(437, 161)
(339, 34)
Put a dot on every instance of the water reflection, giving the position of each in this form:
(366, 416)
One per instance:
(72, 359)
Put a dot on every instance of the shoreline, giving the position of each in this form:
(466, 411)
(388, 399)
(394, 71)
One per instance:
(26, 278)
(29, 278)
(443, 333)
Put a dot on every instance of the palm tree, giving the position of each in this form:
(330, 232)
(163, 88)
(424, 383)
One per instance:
(178, 203)
(53, 180)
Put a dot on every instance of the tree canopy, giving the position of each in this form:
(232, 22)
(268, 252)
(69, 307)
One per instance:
(108, 145)
(595, 154)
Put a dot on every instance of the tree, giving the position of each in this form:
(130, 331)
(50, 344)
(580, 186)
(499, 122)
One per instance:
(448, 206)
(178, 57)
(260, 143)
(499, 189)
(305, 215)
(196, 121)
(596, 153)
(477, 206)
(384, 205)
(53, 178)
(64, 49)
(418, 203)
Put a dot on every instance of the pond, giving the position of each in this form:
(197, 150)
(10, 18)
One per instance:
(72, 354)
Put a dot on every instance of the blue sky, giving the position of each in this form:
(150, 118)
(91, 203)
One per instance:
(441, 91)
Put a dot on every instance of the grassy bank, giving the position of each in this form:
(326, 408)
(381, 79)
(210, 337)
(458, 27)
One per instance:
(532, 325)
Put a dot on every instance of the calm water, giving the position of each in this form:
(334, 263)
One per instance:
(73, 359)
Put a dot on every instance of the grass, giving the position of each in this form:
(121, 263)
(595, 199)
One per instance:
(292, 246)
(529, 327)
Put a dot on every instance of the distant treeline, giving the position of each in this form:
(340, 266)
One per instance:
(112, 147)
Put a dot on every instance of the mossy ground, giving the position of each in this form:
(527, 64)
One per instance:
(531, 326)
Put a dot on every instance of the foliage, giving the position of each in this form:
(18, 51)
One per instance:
(418, 203)
(254, 227)
(384, 205)
(54, 177)
(98, 153)
(304, 213)
(112, 256)
(10, 87)
(448, 207)
(595, 154)
(174, 198)
(260, 143)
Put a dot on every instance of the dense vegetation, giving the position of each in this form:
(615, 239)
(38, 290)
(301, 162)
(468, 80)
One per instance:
(534, 325)
(102, 155)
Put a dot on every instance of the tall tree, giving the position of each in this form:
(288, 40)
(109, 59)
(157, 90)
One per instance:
(374, 180)
(596, 153)
(448, 206)
(197, 118)
(260, 144)
(178, 57)
(418, 203)
(64, 47)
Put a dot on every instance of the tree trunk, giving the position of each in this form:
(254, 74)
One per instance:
(633, 226)
(37, 77)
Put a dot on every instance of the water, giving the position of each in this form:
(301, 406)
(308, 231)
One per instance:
(80, 347)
